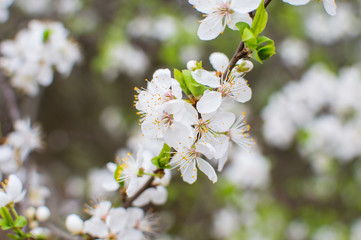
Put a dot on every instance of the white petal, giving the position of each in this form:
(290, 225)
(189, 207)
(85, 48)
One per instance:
(45, 77)
(209, 102)
(206, 78)
(207, 169)
(14, 187)
(160, 195)
(162, 76)
(179, 134)
(210, 27)
(143, 198)
(4, 199)
(134, 215)
(297, 2)
(222, 161)
(96, 227)
(222, 121)
(204, 6)
(189, 172)
(219, 61)
(221, 145)
(245, 6)
(205, 148)
(330, 7)
(238, 17)
(116, 219)
(240, 90)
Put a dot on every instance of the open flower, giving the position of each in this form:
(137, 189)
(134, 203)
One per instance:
(230, 86)
(222, 13)
(12, 191)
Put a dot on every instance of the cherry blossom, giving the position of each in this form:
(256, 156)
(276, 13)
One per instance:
(222, 13)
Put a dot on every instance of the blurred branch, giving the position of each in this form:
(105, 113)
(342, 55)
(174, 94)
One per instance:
(147, 185)
(240, 52)
(10, 98)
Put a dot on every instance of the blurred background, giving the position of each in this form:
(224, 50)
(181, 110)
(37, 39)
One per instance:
(304, 179)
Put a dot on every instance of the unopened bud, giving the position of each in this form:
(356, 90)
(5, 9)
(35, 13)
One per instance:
(42, 213)
(192, 65)
(245, 66)
(74, 224)
(30, 212)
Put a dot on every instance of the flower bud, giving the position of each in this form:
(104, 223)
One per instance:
(192, 65)
(74, 224)
(245, 66)
(42, 213)
(30, 212)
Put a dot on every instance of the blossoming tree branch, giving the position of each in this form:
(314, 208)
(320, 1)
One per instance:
(183, 110)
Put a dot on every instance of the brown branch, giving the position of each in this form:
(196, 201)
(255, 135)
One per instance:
(240, 52)
(147, 185)
(10, 98)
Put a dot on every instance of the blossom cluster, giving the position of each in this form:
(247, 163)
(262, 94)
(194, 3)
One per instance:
(108, 222)
(327, 106)
(15, 148)
(30, 58)
(196, 126)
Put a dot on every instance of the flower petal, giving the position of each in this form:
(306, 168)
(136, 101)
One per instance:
(204, 6)
(330, 7)
(297, 2)
(209, 102)
(245, 6)
(222, 121)
(239, 17)
(189, 172)
(206, 78)
(210, 27)
(219, 61)
(207, 169)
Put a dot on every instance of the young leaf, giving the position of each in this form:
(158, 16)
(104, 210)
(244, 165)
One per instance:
(266, 52)
(260, 20)
(249, 38)
(5, 214)
(179, 77)
(241, 26)
(20, 222)
(162, 160)
(195, 88)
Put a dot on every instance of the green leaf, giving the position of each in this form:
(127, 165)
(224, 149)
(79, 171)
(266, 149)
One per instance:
(260, 20)
(195, 88)
(162, 160)
(255, 56)
(179, 77)
(264, 39)
(241, 26)
(249, 38)
(5, 214)
(20, 222)
(46, 35)
(12, 236)
(266, 52)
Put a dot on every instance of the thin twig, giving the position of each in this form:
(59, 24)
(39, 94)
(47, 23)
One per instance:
(10, 98)
(147, 185)
(240, 53)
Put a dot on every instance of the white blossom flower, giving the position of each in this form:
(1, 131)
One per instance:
(222, 13)
(12, 190)
(232, 85)
(188, 159)
(31, 57)
(25, 138)
(4, 12)
(329, 5)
